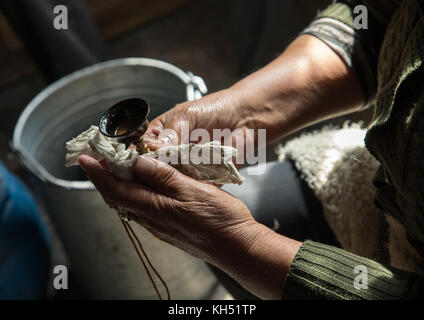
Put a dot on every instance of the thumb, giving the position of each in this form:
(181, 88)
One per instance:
(159, 175)
(165, 138)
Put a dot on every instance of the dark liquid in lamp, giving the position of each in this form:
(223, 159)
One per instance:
(126, 126)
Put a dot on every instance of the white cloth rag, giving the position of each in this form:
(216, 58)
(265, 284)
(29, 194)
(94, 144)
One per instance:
(187, 158)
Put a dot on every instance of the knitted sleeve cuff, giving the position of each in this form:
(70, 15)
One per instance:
(324, 272)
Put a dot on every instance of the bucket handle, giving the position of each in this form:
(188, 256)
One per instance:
(196, 88)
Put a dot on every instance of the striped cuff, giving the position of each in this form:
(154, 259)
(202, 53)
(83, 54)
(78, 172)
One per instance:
(335, 27)
(342, 38)
(324, 272)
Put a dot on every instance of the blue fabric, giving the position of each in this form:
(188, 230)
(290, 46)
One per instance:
(24, 242)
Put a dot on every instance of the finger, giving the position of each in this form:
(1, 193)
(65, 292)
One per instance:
(160, 176)
(104, 164)
(167, 137)
(241, 139)
(154, 128)
(151, 136)
(102, 179)
(97, 174)
(162, 133)
(153, 144)
(124, 194)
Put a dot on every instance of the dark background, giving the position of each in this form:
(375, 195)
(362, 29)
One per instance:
(221, 41)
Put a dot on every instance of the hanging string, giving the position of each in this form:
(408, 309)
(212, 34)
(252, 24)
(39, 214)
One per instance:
(133, 237)
(142, 148)
(148, 261)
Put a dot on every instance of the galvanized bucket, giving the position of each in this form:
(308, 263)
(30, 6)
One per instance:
(102, 258)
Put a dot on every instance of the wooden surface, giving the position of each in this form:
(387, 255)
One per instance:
(113, 17)
(14, 61)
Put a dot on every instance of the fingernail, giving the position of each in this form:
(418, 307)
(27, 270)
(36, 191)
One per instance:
(165, 139)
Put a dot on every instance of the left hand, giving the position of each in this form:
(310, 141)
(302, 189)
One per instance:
(202, 220)
(197, 217)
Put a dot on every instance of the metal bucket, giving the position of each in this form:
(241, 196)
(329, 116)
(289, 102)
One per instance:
(102, 258)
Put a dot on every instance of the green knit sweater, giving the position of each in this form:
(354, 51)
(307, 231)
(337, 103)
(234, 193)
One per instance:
(388, 59)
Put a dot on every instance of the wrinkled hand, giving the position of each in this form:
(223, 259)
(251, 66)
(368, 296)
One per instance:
(221, 110)
(197, 217)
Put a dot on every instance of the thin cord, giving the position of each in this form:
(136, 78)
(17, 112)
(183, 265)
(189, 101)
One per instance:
(150, 264)
(126, 226)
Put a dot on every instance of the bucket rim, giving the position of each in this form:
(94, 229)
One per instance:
(33, 165)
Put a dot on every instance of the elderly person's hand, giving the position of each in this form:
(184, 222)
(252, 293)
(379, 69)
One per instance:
(220, 116)
(306, 84)
(199, 218)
